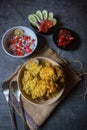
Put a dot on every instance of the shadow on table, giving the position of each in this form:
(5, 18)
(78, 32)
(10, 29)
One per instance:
(42, 44)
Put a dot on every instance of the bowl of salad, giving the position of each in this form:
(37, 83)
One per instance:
(19, 42)
(42, 21)
(64, 38)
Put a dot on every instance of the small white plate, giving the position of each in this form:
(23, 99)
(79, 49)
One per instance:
(8, 35)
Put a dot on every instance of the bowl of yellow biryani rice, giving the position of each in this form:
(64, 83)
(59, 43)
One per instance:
(41, 81)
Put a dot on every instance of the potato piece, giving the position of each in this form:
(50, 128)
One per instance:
(39, 90)
(47, 73)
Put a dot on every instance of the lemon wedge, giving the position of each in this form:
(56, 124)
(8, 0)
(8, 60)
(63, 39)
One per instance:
(18, 32)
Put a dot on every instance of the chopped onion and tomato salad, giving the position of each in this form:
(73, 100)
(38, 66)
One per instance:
(21, 44)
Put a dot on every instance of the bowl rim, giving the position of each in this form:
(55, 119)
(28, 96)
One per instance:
(21, 27)
(47, 102)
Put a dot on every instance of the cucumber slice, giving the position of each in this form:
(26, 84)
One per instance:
(54, 21)
(45, 14)
(32, 20)
(39, 14)
(37, 18)
(18, 32)
(50, 15)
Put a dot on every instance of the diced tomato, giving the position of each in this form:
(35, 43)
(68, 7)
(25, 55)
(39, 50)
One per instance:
(45, 26)
(19, 49)
(28, 38)
(19, 45)
(64, 38)
(19, 42)
(19, 53)
(24, 37)
(28, 50)
(33, 40)
(63, 31)
(25, 47)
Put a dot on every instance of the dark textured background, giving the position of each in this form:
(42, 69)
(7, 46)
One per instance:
(72, 112)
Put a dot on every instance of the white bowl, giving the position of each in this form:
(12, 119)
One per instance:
(8, 34)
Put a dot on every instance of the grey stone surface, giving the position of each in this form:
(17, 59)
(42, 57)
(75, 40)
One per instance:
(72, 112)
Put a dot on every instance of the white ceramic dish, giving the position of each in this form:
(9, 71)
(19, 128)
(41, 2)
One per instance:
(7, 35)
